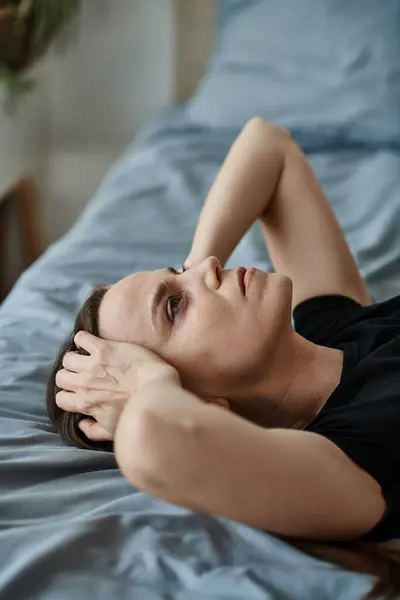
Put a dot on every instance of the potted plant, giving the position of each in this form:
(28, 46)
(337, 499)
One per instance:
(27, 29)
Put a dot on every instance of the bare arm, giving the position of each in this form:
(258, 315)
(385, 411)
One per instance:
(171, 445)
(266, 176)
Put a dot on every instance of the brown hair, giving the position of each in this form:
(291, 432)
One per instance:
(66, 422)
(368, 558)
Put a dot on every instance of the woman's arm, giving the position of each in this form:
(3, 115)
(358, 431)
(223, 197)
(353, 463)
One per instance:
(170, 444)
(267, 176)
(241, 192)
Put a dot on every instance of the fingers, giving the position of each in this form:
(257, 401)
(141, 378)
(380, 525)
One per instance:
(68, 380)
(94, 431)
(89, 342)
(90, 403)
(76, 362)
(79, 402)
(93, 379)
(69, 402)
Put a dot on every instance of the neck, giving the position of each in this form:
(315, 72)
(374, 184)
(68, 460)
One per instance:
(294, 388)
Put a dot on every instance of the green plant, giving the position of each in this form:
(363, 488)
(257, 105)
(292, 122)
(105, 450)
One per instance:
(27, 29)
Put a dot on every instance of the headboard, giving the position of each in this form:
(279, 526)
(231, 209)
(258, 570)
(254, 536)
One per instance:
(195, 26)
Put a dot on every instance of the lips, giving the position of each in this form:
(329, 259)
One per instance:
(241, 272)
(248, 275)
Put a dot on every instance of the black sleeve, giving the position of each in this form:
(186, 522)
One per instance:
(351, 431)
(322, 318)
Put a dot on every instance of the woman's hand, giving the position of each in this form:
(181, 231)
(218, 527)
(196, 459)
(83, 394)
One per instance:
(100, 385)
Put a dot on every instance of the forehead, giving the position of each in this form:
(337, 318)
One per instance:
(124, 313)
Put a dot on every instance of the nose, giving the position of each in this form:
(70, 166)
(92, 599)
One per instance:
(209, 271)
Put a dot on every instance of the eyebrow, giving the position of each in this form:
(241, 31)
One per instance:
(160, 291)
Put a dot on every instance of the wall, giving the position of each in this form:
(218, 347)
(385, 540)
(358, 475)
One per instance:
(21, 136)
(196, 24)
(117, 73)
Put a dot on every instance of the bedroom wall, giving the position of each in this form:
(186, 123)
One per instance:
(117, 73)
(195, 25)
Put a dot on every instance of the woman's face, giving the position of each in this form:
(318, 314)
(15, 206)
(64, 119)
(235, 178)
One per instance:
(212, 329)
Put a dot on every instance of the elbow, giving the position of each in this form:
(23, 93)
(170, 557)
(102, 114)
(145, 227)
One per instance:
(134, 450)
(139, 455)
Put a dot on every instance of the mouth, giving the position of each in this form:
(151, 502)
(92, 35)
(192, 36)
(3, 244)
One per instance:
(241, 273)
(248, 275)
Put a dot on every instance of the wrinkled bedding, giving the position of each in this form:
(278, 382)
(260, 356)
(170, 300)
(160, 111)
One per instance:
(70, 524)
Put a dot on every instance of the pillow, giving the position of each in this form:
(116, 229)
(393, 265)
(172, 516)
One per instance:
(326, 67)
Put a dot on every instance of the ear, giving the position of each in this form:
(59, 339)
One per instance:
(222, 402)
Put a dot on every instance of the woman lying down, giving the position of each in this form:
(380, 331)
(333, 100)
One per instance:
(208, 396)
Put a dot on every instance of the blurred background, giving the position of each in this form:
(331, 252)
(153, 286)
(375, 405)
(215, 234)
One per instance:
(115, 65)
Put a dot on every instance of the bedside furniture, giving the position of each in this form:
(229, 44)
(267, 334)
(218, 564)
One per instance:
(20, 196)
(18, 151)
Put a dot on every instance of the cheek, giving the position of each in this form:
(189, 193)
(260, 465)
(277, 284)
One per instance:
(222, 340)
(207, 348)
(194, 347)
(243, 347)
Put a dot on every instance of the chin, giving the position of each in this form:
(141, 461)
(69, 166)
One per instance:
(281, 282)
(286, 283)
(287, 291)
(279, 300)
(284, 279)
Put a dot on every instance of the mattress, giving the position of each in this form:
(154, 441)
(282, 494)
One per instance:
(70, 524)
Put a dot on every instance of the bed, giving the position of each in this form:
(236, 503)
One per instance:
(70, 525)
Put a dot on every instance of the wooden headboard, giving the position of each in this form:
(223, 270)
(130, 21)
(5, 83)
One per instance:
(195, 29)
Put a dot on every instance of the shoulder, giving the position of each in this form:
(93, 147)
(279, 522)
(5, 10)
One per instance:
(333, 497)
(363, 421)
(322, 319)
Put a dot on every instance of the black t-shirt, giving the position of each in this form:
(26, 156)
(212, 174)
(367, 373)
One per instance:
(362, 415)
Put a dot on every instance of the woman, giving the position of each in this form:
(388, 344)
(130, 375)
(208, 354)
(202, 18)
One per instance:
(209, 397)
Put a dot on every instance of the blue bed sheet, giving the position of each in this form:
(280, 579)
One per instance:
(70, 525)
